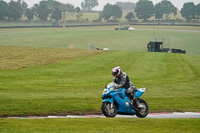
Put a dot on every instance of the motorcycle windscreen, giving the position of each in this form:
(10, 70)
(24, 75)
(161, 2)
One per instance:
(139, 92)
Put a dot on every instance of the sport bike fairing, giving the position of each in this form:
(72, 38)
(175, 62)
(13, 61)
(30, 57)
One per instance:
(120, 97)
(111, 88)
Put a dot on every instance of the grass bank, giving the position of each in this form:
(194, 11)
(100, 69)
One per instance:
(75, 85)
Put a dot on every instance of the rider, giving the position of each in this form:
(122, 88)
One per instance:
(122, 81)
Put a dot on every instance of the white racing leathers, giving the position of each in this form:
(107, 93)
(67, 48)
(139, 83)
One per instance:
(123, 81)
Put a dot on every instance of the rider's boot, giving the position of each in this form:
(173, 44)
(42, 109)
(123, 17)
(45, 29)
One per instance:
(135, 103)
(133, 100)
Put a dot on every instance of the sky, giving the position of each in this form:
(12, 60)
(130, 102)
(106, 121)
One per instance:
(77, 3)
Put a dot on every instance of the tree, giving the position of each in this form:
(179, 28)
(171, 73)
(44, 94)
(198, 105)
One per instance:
(35, 10)
(164, 8)
(126, 6)
(100, 17)
(29, 13)
(107, 12)
(15, 10)
(3, 10)
(144, 9)
(55, 10)
(66, 9)
(130, 16)
(89, 4)
(113, 11)
(116, 12)
(158, 11)
(197, 11)
(24, 6)
(188, 11)
(43, 10)
(56, 14)
(78, 13)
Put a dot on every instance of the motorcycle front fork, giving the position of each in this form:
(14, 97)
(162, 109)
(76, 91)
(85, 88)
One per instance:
(134, 102)
(111, 106)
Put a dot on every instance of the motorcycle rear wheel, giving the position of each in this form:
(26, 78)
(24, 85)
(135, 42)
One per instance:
(141, 113)
(107, 110)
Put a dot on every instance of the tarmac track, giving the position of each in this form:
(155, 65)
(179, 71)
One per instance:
(150, 115)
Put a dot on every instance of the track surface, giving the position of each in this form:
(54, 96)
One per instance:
(151, 115)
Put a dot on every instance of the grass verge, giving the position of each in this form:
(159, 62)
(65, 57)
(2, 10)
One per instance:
(100, 125)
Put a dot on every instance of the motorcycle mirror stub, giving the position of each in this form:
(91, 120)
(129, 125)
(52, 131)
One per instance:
(142, 89)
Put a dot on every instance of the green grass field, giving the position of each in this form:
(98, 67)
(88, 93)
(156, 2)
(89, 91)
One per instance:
(49, 71)
(102, 37)
(68, 86)
(100, 125)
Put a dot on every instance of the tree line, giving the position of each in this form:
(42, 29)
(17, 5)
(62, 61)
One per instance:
(14, 10)
(143, 9)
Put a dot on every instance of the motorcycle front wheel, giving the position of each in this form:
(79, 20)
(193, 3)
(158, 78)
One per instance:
(107, 110)
(143, 112)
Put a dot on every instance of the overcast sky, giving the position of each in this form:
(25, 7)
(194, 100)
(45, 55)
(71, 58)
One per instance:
(177, 3)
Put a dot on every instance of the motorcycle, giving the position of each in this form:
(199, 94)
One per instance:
(116, 102)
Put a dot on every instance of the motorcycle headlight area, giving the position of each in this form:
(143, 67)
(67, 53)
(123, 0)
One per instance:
(105, 91)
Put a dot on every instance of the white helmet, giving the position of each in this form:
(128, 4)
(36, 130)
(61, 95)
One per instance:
(116, 71)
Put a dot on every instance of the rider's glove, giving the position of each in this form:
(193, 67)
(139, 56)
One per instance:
(117, 86)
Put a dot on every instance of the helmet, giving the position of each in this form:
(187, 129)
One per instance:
(116, 71)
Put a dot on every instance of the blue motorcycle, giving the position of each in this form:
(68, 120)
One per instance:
(116, 102)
